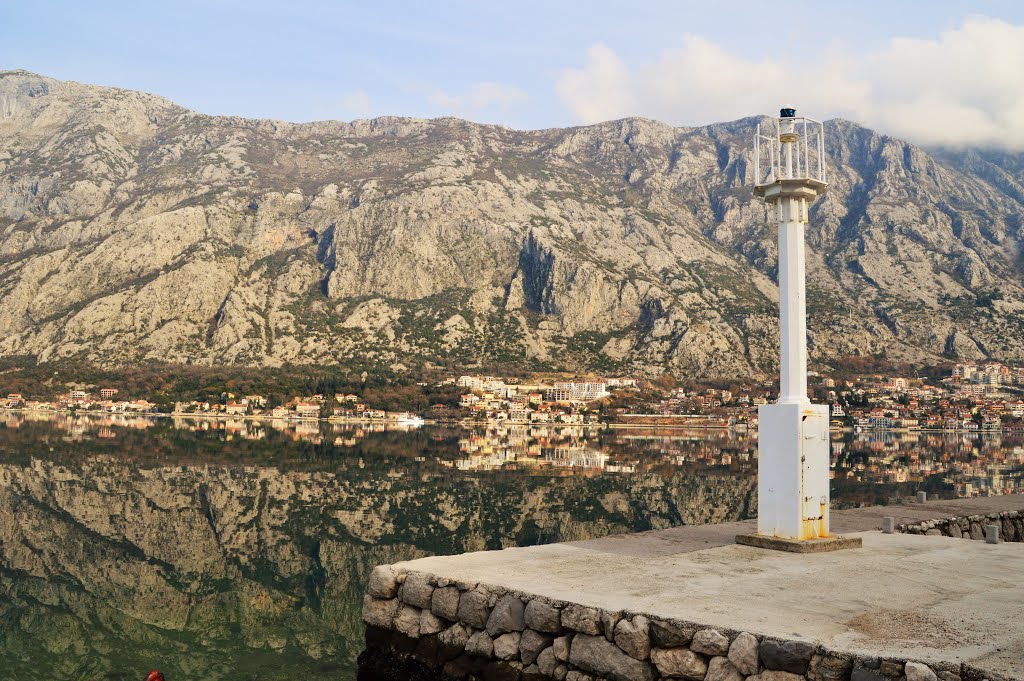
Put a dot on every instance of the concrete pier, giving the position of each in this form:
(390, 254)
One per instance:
(915, 606)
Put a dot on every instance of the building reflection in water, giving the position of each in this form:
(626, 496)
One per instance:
(950, 463)
(225, 549)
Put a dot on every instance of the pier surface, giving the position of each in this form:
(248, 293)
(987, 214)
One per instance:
(930, 598)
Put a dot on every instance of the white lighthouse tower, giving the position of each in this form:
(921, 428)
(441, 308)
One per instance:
(793, 436)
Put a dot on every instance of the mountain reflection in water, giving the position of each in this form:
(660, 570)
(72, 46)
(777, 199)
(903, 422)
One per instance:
(238, 550)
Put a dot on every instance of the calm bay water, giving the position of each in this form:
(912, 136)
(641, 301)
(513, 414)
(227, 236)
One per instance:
(238, 550)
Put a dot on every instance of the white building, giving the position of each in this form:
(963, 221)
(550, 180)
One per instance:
(583, 391)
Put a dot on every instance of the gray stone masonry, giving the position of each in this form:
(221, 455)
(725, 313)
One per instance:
(543, 617)
(582, 619)
(531, 644)
(445, 603)
(383, 582)
(508, 615)
(417, 590)
(791, 656)
(486, 633)
(1009, 526)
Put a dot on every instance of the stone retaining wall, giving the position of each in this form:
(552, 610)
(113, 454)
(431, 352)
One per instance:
(1011, 526)
(424, 628)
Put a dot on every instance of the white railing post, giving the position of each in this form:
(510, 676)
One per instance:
(757, 155)
(807, 166)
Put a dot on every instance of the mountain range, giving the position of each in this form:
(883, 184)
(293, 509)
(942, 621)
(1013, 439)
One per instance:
(133, 229)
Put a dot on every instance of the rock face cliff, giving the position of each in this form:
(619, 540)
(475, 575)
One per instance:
(132, 228)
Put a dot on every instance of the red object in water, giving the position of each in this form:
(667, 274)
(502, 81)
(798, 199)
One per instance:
(154, 676)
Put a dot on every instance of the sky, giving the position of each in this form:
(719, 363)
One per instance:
(933, 71)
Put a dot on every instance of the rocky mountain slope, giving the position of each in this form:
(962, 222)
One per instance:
(132, 228)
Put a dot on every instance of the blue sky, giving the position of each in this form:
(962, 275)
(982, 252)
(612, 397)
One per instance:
(533, 64)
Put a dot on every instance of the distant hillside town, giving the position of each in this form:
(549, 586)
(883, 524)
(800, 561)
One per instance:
(970, 397)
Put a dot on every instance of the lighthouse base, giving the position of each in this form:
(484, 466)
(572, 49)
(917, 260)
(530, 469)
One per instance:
(834, 543)
(793, 456)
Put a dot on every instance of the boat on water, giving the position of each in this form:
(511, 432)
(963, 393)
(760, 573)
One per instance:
(408, 420)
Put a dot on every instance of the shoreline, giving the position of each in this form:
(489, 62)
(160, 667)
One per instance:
(466, 423)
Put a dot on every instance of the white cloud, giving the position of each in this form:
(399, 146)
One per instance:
(600, 91)
(965, 87)
(355, 105)
(482, 99)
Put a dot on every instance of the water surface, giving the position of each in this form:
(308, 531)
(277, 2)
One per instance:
(238, 550)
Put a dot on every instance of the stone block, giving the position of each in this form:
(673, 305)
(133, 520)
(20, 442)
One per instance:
(416, 590)
(1009, 532)
(679, 663)
(598, 656)
(547, 662)
(543, 617)
(431, 623)
(720, 669)
(743, 653)
(582, 619)
(888, 524)
(949, 676)
(576, 675)
(829, 668)
(453, 640)
(917, 671)
(608, 622)
(508, 615)
(561, 671)
(444, 602)
(480, 644)
(379, 612)
(531, 644)
(561, 648)
(407, 620)
(506, 646)
(633, 637)
(532, 673)
(791, 656)
(710, 642)
(383, 582)
(669, 635)
(891, 669)
(473, 609)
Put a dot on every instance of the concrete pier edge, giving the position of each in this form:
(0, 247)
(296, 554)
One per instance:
(423, 622)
